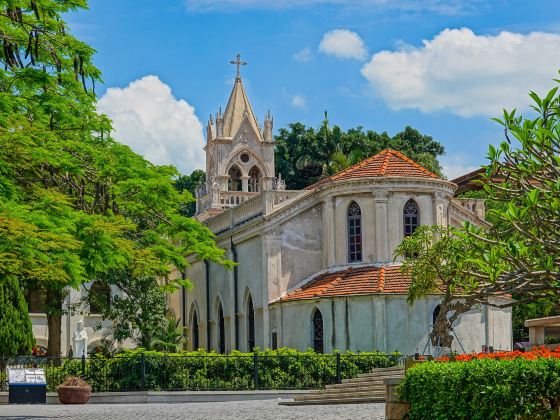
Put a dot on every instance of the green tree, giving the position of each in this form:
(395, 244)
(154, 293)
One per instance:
(16, 334)
(518, 255)
(305, 155)
(190, 183)
(76, 205)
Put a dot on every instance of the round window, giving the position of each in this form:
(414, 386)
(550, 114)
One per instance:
(244, 158)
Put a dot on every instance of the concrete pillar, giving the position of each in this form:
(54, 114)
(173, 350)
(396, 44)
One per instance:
(272, 270)
(245, 183)
(328, 232)
(231, 303)
(440, 202)
(536, 335)
(381, 199)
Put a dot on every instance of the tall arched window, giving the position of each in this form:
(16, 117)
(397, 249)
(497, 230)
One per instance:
(354, 232)
(234, 180)
(411, 217)
(194, 331)
(318, 331)
(254, 179)
(250, 324)
(221, 330)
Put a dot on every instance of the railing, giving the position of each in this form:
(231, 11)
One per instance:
(476, 205)
(261, 204)
(266, 370)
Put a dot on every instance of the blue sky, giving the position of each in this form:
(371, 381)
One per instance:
(443, 67)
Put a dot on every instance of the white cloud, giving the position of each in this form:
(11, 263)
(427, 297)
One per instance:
(299, 101)
(465, 73)
(303, 55)
(455, 165)
(148, 118)
(443, 7)
(343, 43)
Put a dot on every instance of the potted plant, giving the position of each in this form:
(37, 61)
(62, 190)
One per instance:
(74, 390)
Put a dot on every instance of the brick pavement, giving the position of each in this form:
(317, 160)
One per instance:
(258, 410)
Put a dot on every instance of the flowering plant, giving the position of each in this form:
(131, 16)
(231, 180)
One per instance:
(534, 353)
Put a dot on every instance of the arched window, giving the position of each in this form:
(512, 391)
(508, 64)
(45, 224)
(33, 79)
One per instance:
(318, 331)
(234, 180)
(194, 331)
(354, 232)
(99, 297)
(411, 217)
(254, 179)
(435, 314)
(250, 324)
(221, 330)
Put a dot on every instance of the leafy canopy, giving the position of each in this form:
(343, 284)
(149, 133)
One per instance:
(519, 254)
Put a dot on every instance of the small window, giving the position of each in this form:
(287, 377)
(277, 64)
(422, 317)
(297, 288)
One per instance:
(99, 297)
(318, 331)
(244, 158)
(411, 217)
(354, 233)
(435, 314)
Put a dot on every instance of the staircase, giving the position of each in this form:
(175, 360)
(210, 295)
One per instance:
(365, 388)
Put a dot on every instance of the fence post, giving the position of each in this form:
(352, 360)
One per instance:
(256, 369)
(143, 371)
(338, 371)
(84, 366)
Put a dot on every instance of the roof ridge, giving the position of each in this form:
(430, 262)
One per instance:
(385, 165)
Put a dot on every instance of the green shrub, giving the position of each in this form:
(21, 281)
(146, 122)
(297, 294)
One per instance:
(483, 389)
(279, 369)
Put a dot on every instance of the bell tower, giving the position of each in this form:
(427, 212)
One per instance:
(239, 153)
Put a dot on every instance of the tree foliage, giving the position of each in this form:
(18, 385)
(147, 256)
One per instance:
(518, 255)
(75, 205)
(16, 334)
(305, 155)
(190, 183)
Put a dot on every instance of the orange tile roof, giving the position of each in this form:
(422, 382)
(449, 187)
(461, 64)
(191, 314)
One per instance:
(362, 280)
(389, 162)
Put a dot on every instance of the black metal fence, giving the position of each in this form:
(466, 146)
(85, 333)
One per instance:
(204, 372)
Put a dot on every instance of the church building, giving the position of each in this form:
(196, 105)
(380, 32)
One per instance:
(315, 267)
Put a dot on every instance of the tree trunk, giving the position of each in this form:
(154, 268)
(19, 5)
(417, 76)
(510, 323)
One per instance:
(54, 321)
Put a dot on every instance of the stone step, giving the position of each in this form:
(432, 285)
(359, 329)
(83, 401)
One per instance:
(350, 387)
(368, 379)
(391, 373)
(388, 369)
(343, 394)
(355, 400)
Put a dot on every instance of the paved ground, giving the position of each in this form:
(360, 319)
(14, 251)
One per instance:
(258, 410)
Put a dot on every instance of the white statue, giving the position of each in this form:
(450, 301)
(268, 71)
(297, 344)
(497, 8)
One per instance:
(80, 340)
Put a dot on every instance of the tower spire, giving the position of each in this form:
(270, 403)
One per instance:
(238, 63)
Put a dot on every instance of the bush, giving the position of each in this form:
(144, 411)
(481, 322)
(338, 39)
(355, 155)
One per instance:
(279, 369)
(483, 388)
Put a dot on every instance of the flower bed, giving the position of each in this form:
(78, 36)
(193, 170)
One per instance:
(483, 386)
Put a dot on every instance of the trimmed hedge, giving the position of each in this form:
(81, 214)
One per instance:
(280, 369)
(483, 389)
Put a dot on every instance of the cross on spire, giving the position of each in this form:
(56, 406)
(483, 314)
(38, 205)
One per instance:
(238, 62)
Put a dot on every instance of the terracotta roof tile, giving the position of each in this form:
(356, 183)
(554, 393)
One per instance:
(353, 281)
(389, 162)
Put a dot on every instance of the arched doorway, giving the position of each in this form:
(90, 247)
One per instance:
(250, 324)
(234, 179)
(318, 331)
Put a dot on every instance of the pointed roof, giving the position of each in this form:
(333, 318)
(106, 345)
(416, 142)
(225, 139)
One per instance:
(235, 111)
(388, 162)
(363, 280)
